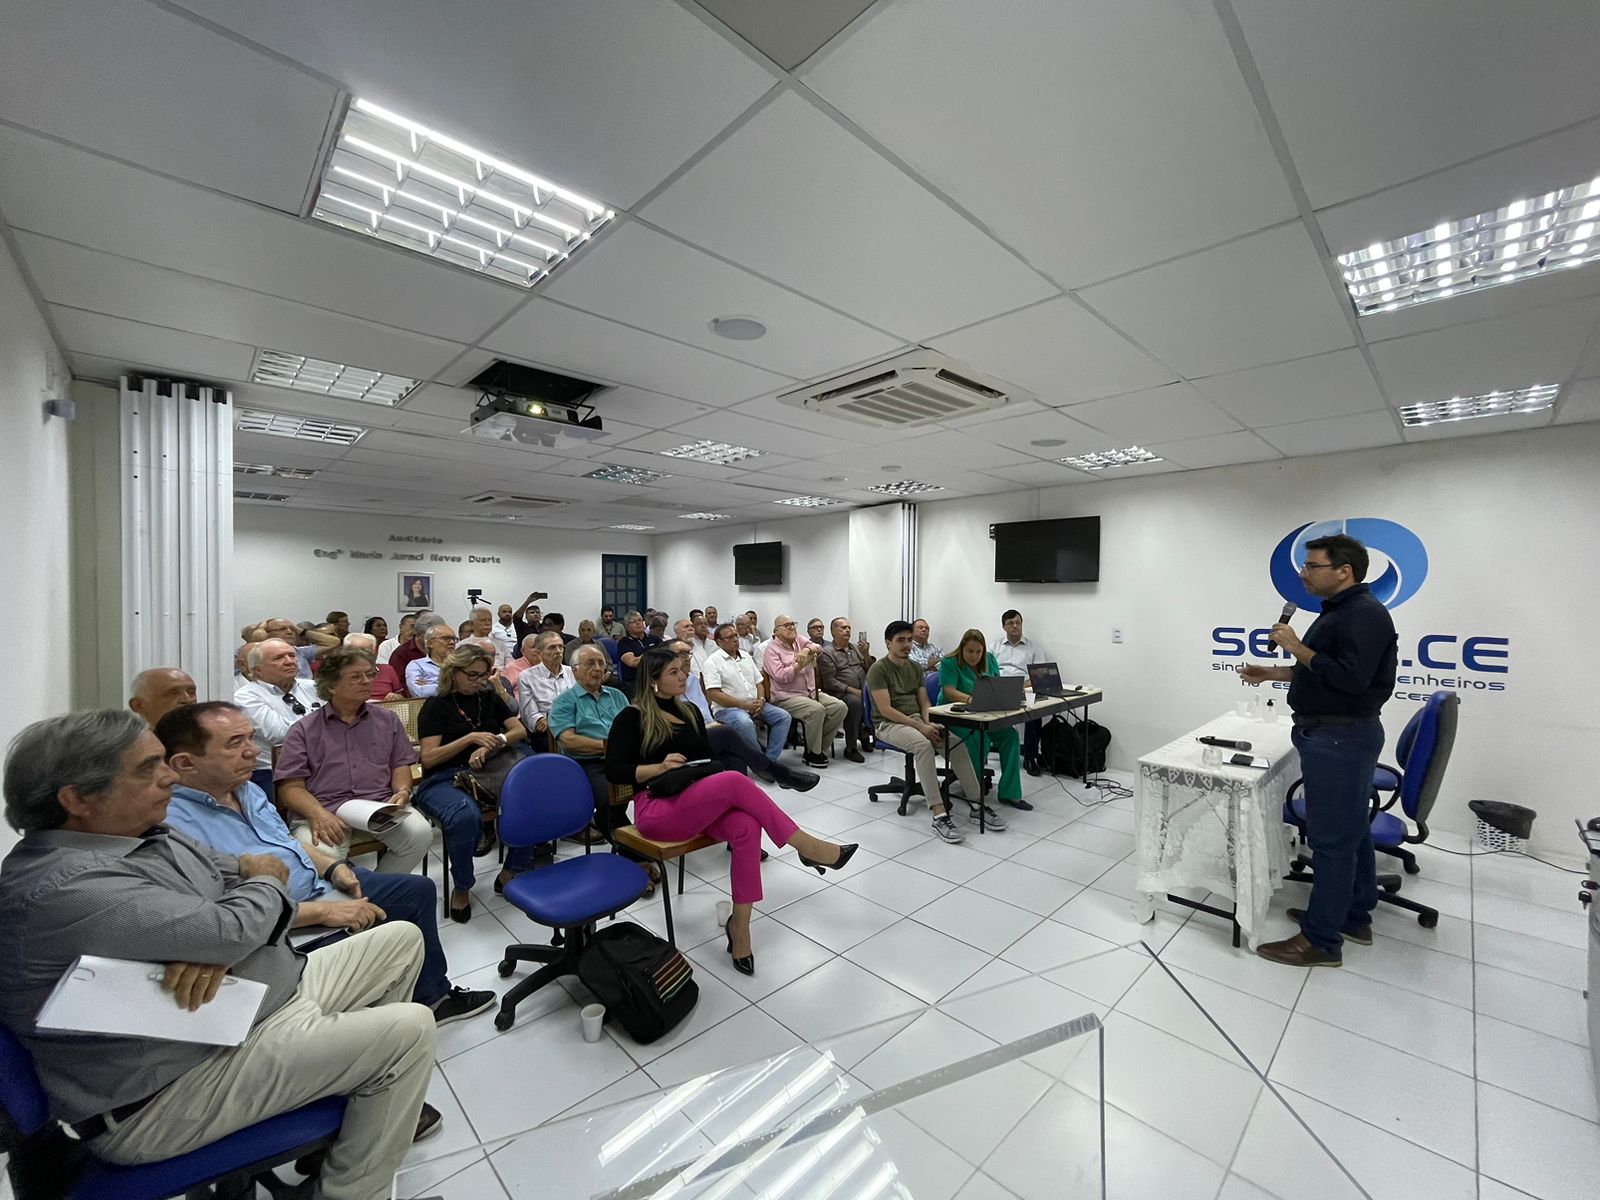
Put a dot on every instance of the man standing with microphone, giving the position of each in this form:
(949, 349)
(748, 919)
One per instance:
(1343, 671)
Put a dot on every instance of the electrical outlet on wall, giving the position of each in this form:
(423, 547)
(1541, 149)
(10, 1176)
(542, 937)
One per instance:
(1116, 634)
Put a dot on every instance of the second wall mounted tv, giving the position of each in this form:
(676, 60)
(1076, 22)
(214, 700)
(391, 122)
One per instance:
(1060, 551)
(758, 564)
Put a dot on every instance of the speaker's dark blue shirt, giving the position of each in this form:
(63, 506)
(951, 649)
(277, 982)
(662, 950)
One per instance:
(1352, 673)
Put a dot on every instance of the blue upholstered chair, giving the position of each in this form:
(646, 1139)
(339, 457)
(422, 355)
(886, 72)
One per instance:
(1424, 752)
(229, 1162)
(609, 644)
(547, 797)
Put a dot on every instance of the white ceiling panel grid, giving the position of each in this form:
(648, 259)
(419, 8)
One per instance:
(1219, 450)
(1174, 411)
(1329, 436)
(1324, 386)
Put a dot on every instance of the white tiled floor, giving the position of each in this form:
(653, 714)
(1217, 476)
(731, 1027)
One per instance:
(1445, 1064)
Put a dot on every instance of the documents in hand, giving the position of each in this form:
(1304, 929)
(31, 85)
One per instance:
(114, 995)
(375, 816)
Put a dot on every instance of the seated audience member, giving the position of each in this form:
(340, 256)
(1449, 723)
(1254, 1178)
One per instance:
(459, 729)
(659, 732)
(657, 630)
(738, 696)
(900, 717)
(274, 699)
(97, 872)
(464, 631)
(422, 674)
(814, 632)
(755, 626)
(480, 627)
(387, 684)
(350, 750)
(711, 617)
(279, 627)
(159, 690)
(586, 636)
(538, 687)
(209, 746)
(701, 644)
(1014, 653)
(408, 651)
(748, 642)
(340, 620)
(790, 665)
(609, 626)
(313, 640)
(387, 647)
(924, 653)
(737, 750)
(377, 629)
(504, 635)
(511, 673)
(528, 618)
(631, 648)
(958, 674)
(580, 722)
(556, 623)
(842, 672)
(241, 664)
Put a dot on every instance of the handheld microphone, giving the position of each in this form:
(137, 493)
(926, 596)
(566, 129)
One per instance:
(1230, 743)
(1289, 610)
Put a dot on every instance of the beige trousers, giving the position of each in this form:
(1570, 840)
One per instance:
(926, 758)
(824, 717)
(404, 844)
(350, 1029)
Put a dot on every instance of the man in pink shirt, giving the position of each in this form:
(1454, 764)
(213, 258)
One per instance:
(790, 662)
(513, 670)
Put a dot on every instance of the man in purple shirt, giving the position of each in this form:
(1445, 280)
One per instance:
(351, 750)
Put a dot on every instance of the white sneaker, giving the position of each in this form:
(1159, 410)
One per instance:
(945, 828)
(991, 819)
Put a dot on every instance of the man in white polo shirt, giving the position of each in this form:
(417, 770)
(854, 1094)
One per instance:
(737, 695)
(274, 698)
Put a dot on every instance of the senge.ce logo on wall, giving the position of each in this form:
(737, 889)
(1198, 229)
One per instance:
(1398, 581)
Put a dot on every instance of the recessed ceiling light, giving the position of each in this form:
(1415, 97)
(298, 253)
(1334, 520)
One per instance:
(401, 182)
(740, 329)
(809, 501)
(1525, 238)
(705, 516)
(905, 487)
(1048, 442)
(611, 473)
(240, 468)
(305, 429)
(258, 496)
(278, 369)
(1100, 460)
(1491, 404)
(634, 528)
(721, 453)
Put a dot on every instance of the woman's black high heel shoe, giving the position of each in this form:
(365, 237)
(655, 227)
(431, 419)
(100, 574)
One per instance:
(745, 965)
(821, 868)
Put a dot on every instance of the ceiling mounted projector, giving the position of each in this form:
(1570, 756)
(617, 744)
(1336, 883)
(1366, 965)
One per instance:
(525, 406)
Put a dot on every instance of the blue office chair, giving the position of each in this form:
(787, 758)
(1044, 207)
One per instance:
(547, 797)
(38, 1151)
(609, 644)
(905, 786)
(1424, 752)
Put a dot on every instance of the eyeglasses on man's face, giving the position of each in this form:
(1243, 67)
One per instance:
(1313, 566)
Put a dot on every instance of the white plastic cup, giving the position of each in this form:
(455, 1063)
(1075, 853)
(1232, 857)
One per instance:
(724, 912)
(1241, 708)
(594, 1019)
(1211, 756)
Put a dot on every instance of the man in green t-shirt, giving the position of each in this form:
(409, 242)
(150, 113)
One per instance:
(900, 717)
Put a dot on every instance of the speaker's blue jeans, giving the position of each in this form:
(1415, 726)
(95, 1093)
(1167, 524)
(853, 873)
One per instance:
(1336, 764)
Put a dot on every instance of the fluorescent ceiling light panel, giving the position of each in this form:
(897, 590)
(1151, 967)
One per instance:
(1491, 404)
(286, 425)
(258, 496)
(240, 468)
(634, 528)
(277, 369)
(809, 501)
(401, 182)
(1527, 237)
(905, 487)
(722, 453)
(611, 473)
(1099, 461)
(705, 516)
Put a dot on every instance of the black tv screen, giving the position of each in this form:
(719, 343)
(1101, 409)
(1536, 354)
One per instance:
(1061, 551)
(757, 564)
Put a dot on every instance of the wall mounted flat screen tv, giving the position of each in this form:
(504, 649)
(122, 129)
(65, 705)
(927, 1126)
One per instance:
(758, 564)
(1060, 551)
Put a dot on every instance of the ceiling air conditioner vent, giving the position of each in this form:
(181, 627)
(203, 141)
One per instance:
(509, 502)
(920, 388)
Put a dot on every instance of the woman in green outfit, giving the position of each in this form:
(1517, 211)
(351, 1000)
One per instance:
(958, 674)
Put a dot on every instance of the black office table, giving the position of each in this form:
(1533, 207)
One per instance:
(983, 722)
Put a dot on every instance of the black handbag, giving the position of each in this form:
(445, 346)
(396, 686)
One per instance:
(670, 783)
(490, 778)
(645, 984)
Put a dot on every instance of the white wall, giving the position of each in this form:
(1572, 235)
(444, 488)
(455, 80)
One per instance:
(277, 573)
(34, 499)
(693, 569)
(1508, 523)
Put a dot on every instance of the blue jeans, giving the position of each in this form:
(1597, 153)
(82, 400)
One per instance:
(412, 898)
(1336, 764)
(774, 718)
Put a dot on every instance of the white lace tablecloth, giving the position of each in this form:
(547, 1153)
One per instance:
(1216, 827)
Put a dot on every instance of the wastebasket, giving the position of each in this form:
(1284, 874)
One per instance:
(1502, 826)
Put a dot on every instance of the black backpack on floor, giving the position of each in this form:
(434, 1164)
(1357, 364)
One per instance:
(1074, 748)
(643, 982)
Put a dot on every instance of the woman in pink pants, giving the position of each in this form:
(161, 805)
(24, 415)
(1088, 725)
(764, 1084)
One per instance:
(660, 732)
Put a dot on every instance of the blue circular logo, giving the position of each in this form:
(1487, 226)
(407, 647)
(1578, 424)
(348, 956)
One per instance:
(1399, 581)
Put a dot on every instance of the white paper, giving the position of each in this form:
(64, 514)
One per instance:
(374, 816)
(113, 995)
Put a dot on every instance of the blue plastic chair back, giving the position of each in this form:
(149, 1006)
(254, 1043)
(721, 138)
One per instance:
(21, 1093)
(934, 686)
(610, 644)
(544, 797)
(1424, 751)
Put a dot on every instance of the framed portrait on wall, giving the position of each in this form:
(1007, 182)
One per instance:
(416, 590)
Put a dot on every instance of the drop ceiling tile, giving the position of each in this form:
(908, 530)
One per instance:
(1580, 401)
(607, 97)
(1162, 414)
(1216, 451)
(1483, 427)
(140, 83)
(644, 278)
(1525, 295)
(1020, 433)
(1304, 390)
(1040, 475)
(1178, 160)
(795, 196)
(578, 343)
(1057, 350)
(96, 282)
(1261, 299)
(965, 450)
(650, 410)
(1357, 432)
(644, 452)
(258, 447)
(743, 430)
(133, 344)
(786, 33)
(1370, 94)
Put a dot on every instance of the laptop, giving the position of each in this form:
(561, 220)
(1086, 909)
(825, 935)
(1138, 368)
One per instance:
(996, 693)
(1046, 678)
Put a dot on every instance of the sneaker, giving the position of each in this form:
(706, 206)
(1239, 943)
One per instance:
(429, 1122)
(1019, 804)
(459, 1004)
(945, 829)
(815, 760)
(991, 819)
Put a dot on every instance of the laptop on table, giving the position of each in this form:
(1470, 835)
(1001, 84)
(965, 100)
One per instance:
(996, 693)
(1046, 679)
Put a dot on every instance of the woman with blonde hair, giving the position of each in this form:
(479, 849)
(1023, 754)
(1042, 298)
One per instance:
(958, 675)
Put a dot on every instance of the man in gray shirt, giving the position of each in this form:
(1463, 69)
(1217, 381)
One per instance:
(842, 672)
(97, 872)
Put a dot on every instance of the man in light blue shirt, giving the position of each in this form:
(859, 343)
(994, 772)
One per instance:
(1013, 653)
(580, 722)
(211, 748)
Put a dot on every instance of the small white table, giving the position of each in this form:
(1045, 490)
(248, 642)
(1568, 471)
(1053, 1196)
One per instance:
(1216, 827)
